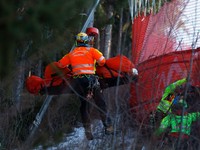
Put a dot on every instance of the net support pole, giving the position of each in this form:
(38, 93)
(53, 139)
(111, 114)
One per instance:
(38, 118)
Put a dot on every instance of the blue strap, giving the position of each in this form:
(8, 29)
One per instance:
(176, 99)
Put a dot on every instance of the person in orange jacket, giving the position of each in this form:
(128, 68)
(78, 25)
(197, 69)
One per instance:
(82, 60)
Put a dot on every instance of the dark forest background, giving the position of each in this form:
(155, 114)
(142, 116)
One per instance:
(34, 33)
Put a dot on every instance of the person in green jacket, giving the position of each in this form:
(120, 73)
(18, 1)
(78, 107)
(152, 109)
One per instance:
(179, 123)
(171, 94)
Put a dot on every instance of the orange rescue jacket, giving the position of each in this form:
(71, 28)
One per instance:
(83, 59)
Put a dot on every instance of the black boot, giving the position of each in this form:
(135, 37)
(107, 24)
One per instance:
(88, 133)
(109, 130)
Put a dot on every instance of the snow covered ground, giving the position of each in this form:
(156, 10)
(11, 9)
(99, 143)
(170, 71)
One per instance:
(77, 140)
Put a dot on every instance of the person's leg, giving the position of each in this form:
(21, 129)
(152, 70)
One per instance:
(102, 108)
(158, 116)
(184, 144)
(84, 110)
(81, 89)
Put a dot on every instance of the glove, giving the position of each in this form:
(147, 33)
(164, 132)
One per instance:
(134, 71)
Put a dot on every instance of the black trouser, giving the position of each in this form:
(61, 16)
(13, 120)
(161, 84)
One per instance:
(83, 85)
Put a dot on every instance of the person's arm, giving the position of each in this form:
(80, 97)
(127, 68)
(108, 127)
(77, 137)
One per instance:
(195, 116)
(164, 104)
(170, 88)
(165, 123)
(180, 82)
(98, 56)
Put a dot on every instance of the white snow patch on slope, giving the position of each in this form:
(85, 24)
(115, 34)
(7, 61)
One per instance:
(78, 141)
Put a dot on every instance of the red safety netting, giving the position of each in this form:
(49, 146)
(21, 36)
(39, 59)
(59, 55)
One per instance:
(153, 34)
(138, 33)
(159, 57)
(156, 73)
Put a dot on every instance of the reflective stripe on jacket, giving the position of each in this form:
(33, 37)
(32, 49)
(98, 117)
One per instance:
(83, 59)
(165, 103)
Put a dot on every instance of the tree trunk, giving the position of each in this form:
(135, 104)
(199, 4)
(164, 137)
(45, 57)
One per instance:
(126, 48)
(108, 34)
(19, 80)
(119, 46)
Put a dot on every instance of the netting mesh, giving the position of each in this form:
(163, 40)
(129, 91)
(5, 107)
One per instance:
(155, 34)
(161, 55)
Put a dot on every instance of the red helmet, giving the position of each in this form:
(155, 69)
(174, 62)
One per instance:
(91, 31)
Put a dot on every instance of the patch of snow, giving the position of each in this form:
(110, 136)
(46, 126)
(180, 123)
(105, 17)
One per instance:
(73, 141)
(78, 141)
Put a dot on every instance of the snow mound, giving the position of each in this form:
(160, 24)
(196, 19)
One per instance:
(78, 141)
